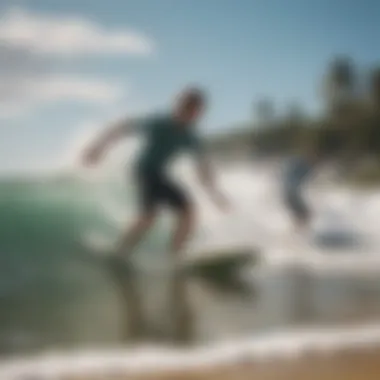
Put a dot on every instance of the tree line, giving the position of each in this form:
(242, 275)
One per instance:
(348, 125)
(347, 128)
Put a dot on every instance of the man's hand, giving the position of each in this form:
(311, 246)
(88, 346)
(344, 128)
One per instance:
(112, 134)
(222, 202)
(206, 177)
(91, 156)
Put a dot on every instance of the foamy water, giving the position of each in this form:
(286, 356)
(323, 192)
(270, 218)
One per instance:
(288, 345)
(259, 219)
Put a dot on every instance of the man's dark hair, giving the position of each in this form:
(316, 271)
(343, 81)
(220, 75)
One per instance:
(194, 96)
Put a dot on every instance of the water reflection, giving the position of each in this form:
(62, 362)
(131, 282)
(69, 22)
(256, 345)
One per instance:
(180, 310)
(113, 304)
(124, 278)
(177, 322)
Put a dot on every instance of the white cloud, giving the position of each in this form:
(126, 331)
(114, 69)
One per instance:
(62, 88)
(13, 110)
(68, 36)
(35, 92)
(30, 43)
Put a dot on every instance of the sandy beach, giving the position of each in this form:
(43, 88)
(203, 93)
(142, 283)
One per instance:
(335, 354)
(353, 364)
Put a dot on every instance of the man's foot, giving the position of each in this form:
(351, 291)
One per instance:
(118, 265)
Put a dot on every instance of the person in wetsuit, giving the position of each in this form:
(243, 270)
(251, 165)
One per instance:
(166, 135)
(298, 171)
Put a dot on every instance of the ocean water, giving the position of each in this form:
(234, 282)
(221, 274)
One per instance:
(56, 292)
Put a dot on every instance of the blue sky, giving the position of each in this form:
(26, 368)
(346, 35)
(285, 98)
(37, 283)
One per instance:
(239, 50)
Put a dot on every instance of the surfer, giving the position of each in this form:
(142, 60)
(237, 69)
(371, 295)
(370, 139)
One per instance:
(166, 135)
(297, 172)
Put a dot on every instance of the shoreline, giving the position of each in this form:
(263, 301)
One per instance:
(338, 353)
(354, 364)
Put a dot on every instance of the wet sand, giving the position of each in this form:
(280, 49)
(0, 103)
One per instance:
(350, 364)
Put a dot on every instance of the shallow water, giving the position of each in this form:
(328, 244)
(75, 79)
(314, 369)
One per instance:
(54, 293)
(182, 310)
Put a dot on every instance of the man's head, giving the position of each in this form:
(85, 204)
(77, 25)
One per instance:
(190, 105)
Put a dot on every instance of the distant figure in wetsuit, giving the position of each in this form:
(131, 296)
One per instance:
(298, 171)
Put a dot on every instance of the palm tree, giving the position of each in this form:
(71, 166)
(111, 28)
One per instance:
(375, 87)
(265, 112)
(373, 127)
(340, 86)
(295, 113)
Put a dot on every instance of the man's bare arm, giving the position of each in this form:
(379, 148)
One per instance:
(206, 177)
(108, 137)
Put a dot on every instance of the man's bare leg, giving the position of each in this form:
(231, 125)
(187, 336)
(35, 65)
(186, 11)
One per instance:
(132, 237)
(302, 229)
(124, 279)
(183, 229)
(301, 226)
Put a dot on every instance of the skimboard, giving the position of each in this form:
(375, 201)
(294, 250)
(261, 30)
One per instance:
(222, 261)
(209, 261)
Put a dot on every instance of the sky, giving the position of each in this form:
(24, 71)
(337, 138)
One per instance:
(69, 67)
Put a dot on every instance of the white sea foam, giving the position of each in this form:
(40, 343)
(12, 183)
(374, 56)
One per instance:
(287, 345)
(345, 217)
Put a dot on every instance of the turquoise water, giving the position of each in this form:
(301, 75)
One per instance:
(48, 280)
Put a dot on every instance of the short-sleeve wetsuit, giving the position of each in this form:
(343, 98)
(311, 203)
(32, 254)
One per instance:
(165, 138)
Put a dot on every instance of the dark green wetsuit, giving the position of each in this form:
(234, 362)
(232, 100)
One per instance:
(165, 138)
